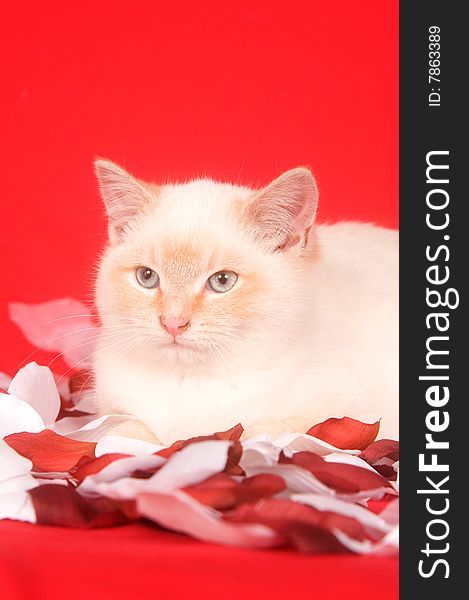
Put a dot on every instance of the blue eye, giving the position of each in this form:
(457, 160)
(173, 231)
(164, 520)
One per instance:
(147, 278)
(223, 281)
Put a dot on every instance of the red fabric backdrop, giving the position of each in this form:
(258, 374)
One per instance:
(138, 562)
(239, 91)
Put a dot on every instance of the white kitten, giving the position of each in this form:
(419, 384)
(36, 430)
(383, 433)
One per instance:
(222, 304)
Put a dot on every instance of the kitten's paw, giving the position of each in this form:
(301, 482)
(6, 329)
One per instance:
(134, 429)
(274, 428)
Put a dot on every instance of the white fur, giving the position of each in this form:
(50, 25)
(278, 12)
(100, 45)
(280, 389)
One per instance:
(321, 340)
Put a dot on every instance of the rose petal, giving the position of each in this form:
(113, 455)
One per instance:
(222, 492)
(11, 463)
(301, 480)
(382, 454)
(116, 443)
(50, 480)
(343, 478)
(36, 386)
(298, 442)
(196, 462)
(93, 430)
(303, 526)
(15, 471)
(115, 481)
(390, 514)
(17, 506)
(72, 424)
(349, 459)
(62, 326)
(21, 483)
(15, 481)
(16, 416)
(86, 466)
(80, 381)
(4, 382)
(189, 466)
(374, 525)
(355, 460)
(296, 478)
(60, 505)
(49, 451)
(179, 512)
(232, 467)
(387, 546)
(346, 432)
(379, 449)
(259, 452)
(395, 483)
(232, 434)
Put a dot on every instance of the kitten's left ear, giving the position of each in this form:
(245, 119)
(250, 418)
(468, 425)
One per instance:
(284, 211)
(123, 195)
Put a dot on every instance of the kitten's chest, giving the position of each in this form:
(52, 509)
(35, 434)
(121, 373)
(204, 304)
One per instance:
(176, 407)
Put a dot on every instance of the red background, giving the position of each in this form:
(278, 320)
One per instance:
(239, 92)
(172, 90)
(140, 562)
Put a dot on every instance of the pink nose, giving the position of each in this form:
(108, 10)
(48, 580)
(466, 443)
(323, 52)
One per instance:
(173, 325)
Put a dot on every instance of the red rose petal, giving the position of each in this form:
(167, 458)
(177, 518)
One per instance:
(80, 381)
(381, 455)
(380, 449)
(179, 512)
(65, 405)
(65, 412)
(49, 451)
(304, 527)
(345, 433)
(86, 466)
(222, 492)
(235, 451)
(386, 471)
(344, 478)
(232, 434)
(62, 505)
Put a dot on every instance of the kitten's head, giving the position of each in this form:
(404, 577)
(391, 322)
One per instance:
(204, 273)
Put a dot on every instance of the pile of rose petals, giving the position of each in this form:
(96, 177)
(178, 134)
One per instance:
(59, 466)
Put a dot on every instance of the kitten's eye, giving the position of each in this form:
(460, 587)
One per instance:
(147, 277)
(222, 281)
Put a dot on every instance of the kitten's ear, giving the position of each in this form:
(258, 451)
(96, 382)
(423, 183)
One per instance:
(284, 211)
(123, 196)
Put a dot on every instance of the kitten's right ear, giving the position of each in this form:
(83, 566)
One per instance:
(122, 194)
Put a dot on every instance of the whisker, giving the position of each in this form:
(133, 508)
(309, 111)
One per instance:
(91, 339)
(56, 338)
(87, 358)
(27, 332)
(75, 332)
